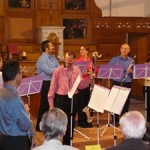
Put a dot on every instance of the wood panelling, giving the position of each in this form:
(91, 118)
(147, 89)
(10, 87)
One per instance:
(104, 34)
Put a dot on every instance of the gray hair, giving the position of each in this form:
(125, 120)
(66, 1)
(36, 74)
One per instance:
(133, 124)
(53, 124)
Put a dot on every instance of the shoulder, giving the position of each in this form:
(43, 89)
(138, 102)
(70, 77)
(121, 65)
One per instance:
(67, 147)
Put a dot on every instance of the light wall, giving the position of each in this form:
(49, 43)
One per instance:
(124, 8)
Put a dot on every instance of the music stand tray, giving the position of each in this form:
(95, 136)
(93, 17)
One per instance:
(82, 65)
(30, 85)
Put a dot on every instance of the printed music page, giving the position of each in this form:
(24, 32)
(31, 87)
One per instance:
(74, 87)
(111, 98)
(116, 99)
(98, 98)
(120, 100)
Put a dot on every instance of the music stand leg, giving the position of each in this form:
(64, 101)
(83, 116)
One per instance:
(145, 103)
(82, 134)
(115, 136)
(28, 96)
(71, 122)
(107, 125)
(98, 128)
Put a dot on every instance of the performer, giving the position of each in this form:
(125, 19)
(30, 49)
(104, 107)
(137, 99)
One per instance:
(126, 78)
(84, 94)
(61, 83)
(46, 64)
(147, 91)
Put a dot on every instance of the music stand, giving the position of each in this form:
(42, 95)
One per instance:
(70, 95)
(114, 104)
(109, 71)
(97, 102)
(142, 71)
(30, 85)
(82, 65)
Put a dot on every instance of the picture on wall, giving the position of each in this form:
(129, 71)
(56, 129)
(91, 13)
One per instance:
(75, 4)
(75, 28)
(19, 3)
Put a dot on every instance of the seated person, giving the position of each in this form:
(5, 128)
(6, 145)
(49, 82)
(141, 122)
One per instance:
(133, 127)
(53, 125)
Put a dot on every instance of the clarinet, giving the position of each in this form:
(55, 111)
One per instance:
(130, 66)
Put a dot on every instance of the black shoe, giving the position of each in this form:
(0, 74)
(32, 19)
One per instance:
(83, 125)
(89, 125)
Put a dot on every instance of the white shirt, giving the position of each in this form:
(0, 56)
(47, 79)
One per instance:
(54, 145)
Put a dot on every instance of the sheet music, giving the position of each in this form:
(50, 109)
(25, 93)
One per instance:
(117, 99)
(74, 87)
(98, 98)
(120, 100)
(1, 80)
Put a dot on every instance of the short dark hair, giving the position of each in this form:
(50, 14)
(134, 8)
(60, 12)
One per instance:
(10, 70)
(44, 45)
(70, 52)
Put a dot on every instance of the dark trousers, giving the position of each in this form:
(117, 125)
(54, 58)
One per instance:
(44, 105)
(126, 105)
(65, 103)
(147, 98)
(14, 143)
(84, 97)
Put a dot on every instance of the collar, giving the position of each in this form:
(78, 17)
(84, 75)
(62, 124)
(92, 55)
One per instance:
(10, 87)
(54, 141)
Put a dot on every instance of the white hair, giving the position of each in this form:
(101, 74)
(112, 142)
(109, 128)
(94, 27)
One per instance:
(53, 124)
(133, 124)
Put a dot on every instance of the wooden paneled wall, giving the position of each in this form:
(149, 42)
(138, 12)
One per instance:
(104, 34)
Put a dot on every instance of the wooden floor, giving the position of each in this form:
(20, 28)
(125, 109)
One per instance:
(93, 136)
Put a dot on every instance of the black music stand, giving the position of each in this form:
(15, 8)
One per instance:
(109, 71)
(30, 85)
(142, 71)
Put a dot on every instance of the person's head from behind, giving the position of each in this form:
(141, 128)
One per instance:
(69, 59)
(133, 124)
(48, 47)
(11, 72)
(53, 124)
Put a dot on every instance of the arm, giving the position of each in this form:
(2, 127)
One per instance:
(52, 90)
(46, 66)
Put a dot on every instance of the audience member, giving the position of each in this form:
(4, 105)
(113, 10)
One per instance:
(53, 125)
(46, 64)
(133, 127)
(62, 81)
(15, 124)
